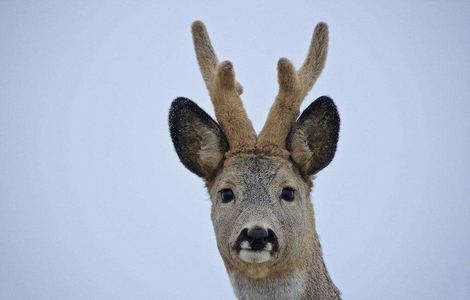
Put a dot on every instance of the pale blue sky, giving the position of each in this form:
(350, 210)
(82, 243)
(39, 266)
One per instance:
(95, 205)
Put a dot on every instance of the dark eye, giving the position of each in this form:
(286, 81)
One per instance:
(227, 195)
(288, 194)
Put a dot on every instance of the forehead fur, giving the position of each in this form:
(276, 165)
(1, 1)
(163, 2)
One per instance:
(255, 163)
(257, 167)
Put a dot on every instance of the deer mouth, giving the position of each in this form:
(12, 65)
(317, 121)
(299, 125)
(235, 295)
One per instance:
(256, 250)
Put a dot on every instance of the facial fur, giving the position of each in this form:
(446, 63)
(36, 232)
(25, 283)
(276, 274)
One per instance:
(257, 182)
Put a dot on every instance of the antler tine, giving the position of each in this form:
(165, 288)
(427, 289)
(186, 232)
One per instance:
(293, 87)
(316, 58)
(206, 57)
(225, 93)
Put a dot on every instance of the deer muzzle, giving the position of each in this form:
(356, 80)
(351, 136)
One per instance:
(256, 244)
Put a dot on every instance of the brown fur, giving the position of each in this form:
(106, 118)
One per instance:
(257, 170)
(229, 110)
(300, 255)
(224, 91)
(293, 87)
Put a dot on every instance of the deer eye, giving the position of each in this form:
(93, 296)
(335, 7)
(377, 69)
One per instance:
(288, 194)
(227, 195)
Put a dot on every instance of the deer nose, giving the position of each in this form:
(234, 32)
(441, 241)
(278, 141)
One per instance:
(257, 233)
(257, 238)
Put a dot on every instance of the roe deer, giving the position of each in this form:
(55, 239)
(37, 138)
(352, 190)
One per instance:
(260, 185)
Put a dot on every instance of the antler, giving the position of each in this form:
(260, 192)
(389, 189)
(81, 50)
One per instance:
(293, 87)
(225, 92)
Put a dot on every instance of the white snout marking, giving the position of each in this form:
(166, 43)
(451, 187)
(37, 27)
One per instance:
(250, 256)
(257, 257)
(269, 247)
(245, 245)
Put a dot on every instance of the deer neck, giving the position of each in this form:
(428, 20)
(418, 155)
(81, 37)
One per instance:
(310, 281)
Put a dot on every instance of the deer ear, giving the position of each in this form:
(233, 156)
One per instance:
(198, 139)
(313, 138)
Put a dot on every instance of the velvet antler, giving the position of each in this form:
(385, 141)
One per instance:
(224, 91)
(293, 87)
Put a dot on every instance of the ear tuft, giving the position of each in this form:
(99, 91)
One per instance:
(198, 139)
(312, 140)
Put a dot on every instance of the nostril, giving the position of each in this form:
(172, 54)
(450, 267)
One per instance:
(258, 233)
(256, 239)
(272, 238)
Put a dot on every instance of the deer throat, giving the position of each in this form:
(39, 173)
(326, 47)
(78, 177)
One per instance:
(285, 286)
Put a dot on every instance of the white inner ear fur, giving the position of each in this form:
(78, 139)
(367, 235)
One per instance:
(210, 153)
(300, 151)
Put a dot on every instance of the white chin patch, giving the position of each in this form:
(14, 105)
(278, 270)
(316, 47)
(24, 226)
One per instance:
(256, 257)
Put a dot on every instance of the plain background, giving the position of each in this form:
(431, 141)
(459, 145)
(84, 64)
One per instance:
(94, 203)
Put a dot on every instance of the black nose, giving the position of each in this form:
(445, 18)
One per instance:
(257, 233)
(258, 238)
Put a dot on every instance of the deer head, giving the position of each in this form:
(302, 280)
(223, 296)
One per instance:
(259, 185)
